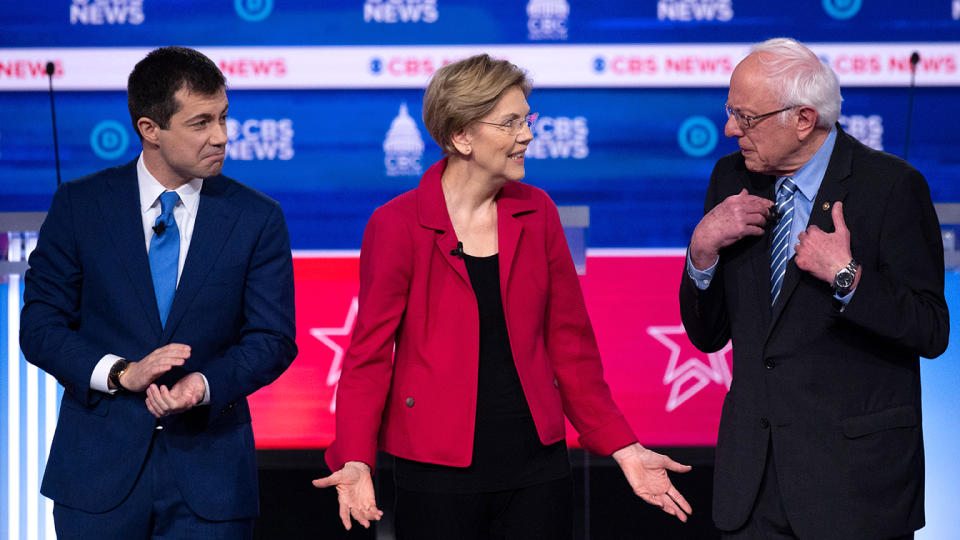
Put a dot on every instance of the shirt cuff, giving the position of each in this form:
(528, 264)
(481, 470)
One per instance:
(100, 378)
(844, 300)
(206, 391)
(702, 278)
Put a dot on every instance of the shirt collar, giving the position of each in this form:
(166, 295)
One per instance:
(809, 177)
(151, 188)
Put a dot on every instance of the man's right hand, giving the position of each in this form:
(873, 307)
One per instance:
(139, 375)
(737, 216)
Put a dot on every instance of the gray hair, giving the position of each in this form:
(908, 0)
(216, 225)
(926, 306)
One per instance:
(799, 77)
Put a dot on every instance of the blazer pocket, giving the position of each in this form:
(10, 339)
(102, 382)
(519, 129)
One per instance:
(897, 417)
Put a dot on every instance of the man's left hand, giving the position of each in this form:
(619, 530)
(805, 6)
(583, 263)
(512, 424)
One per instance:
(824, 254)
(646, 472)
(186, 393)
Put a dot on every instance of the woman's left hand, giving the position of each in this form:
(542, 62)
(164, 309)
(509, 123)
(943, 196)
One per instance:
(646, 472)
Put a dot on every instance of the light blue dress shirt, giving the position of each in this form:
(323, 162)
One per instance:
(808, 179)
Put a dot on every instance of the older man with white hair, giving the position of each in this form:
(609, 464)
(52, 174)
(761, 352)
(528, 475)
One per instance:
(822, 260)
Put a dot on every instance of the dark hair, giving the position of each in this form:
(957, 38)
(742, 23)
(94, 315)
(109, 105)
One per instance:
(156, 78)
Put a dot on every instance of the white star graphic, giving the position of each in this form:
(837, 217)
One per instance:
(336, 366)
(678, 372)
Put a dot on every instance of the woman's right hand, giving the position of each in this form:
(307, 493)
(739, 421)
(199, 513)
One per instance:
(355, 493)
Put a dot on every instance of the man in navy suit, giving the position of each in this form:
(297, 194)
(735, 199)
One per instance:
(160, 295)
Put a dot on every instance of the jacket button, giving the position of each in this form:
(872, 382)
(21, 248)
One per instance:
(769, 364)
(410, 402)
(764, 423)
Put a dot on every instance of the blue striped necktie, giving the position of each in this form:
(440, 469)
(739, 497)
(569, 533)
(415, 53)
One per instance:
(165, 254)
(781, 237)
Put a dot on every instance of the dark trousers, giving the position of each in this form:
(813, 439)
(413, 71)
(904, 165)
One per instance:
(768, 519)
(154, 509)
(538, 512)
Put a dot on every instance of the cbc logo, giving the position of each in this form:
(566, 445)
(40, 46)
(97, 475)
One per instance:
(842, 9)
(697, 136)
(253, 10)
(109, 140)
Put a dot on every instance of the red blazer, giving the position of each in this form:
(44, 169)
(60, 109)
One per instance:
(420, 402)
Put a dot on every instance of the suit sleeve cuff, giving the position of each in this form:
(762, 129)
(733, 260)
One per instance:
(99, 379)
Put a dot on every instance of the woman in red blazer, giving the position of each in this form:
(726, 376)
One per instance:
(473, 340)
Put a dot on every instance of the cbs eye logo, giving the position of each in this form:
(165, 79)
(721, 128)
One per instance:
(109, 140)
(697, 136)
(842, 9)
(253, 10)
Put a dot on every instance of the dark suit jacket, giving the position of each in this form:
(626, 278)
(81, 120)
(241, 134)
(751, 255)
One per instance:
(88, 292)
(838, 393)
(420, 402)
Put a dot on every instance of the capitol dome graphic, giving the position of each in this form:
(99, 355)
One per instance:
(403, 146)
(548, 8)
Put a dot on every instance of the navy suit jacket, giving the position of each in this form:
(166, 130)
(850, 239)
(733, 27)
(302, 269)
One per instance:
(836, 393)
(88, 293)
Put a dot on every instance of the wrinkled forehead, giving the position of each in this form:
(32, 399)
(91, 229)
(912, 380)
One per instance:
(750, 87)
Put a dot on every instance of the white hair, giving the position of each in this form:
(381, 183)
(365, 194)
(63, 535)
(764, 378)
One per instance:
(799, 77)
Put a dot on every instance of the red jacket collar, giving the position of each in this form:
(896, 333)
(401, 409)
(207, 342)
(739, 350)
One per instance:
(514, 198)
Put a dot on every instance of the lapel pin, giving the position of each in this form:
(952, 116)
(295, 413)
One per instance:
(826, 206)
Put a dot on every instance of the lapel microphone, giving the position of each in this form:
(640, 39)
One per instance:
(159, 228)
(458, 252)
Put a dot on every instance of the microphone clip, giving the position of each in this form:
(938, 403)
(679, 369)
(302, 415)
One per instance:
(458, 252)
(159, 228)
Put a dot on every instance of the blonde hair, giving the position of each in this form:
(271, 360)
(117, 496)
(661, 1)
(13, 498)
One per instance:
(465, 91)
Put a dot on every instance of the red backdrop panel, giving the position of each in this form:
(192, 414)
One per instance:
(670, 392)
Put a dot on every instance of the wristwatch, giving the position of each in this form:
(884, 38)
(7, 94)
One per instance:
(843, 281)
(116, 370)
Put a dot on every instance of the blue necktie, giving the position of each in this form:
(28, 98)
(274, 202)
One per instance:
(781, 237)
(165, 254)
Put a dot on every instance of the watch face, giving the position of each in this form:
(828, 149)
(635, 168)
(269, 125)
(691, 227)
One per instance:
(844, 279)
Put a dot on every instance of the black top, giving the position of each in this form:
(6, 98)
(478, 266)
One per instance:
(507, 452)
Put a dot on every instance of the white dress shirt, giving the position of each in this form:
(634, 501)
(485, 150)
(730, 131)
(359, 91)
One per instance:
(185, 214)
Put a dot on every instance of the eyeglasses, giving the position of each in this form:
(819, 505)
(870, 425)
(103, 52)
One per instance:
(515, 126)
(746, 122)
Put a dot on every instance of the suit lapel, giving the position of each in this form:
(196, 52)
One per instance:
(432, 209)
(447, 244)
(832, 189)
(761, 186)
(216, 218)
(510, 205)
(120, 208)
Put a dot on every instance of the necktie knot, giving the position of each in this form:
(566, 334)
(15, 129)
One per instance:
(168, 200)
(787, 188)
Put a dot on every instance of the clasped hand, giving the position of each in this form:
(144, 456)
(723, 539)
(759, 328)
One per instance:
(161, 401)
